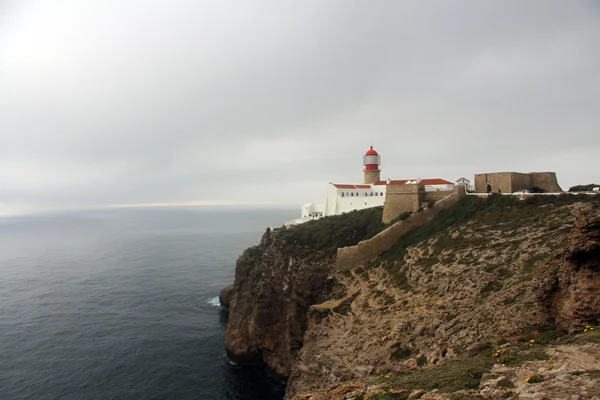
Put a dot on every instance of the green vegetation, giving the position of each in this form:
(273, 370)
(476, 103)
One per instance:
(517, 356)
(583, 188)
(452, 376)
(384, 396)
(322, 237)
(587, 336)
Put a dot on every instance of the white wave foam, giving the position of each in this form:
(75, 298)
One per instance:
(214, 301)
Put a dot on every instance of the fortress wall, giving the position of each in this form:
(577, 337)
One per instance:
(480, 183)
(437, 195)
(546, 181)
(498, 180)
(519, 181)
(354, 256)
(401, 198)
(510, 182)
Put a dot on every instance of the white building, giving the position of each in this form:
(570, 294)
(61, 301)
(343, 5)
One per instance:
(342, 198)
(465, 182)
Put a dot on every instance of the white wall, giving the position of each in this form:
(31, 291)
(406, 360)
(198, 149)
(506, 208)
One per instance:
(434, 188)
(313, 210)
(343, 200)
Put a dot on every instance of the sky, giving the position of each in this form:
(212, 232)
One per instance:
(123, 102)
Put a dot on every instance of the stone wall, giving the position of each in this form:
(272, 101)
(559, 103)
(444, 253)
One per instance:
(546, 180)
(437, 195)
(509, 182)
(498, 180)
(354, 256)
(519, 181)
(401, 198)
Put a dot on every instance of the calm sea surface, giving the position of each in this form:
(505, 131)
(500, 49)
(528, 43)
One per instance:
(121, 304)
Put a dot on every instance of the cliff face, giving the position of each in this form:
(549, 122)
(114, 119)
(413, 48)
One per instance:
(277, 281)
(569, 290)
(272, 294)
(486, 274)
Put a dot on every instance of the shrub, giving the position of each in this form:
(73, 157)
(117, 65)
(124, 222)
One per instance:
(583, 188)
(452, 376)
(322, 237)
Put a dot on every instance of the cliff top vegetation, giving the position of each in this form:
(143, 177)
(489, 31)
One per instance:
(321, 238)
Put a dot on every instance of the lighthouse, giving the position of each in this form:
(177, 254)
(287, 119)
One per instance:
(371, 161)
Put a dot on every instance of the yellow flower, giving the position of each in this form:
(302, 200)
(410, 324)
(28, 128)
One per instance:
(585, 330)
(391, 390)
(532, 341)
(386, 376)
(591, 329)
(528, 378)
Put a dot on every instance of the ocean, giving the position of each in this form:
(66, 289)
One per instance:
(122, 303)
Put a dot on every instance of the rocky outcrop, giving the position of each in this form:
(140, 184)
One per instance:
(225, 296)
(273, 292)
(570, 289)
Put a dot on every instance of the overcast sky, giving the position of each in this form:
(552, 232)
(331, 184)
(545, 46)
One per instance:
(146, 101)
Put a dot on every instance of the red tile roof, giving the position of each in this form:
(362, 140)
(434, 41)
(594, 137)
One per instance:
(432, 181)
(343, 186)
(436, 181)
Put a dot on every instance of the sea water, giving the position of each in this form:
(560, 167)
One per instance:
(122, 303)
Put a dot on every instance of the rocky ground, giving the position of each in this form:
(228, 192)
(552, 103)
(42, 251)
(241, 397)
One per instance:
(479, 283)
(570, 372)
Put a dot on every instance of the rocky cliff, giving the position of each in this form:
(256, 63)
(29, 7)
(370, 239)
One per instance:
(277, 281)
(484, 276)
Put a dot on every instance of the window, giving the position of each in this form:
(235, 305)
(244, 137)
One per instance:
(342, 194)
(381, 194)
(375, 193)
(351, 193)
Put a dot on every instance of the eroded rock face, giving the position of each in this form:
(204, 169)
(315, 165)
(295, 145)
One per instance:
(272, 293)
(572, 293)
(225, 296)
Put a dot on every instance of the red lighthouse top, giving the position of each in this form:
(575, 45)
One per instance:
(371, 152)
(371, 160)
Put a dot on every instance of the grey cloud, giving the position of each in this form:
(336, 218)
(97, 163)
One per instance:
(118, 102)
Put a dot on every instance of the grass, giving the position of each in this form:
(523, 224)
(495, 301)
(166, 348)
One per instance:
(519, 356)
(582, 338)
(452, 376)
